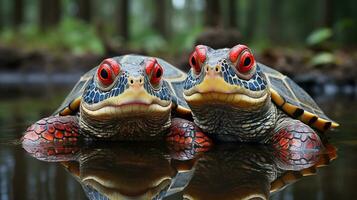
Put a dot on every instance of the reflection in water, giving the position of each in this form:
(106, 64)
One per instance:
(135, 170)
(148, 171)
(247, 171)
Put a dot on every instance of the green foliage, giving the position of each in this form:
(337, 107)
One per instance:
(262, 24)
(77, 36)
(346, 30)
(148, 40)
(319, 36)
(70, 35)
(184, 40)
(323, 58)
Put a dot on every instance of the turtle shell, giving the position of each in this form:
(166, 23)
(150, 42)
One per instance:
(175, 79)
(292, 99)
(173, 76)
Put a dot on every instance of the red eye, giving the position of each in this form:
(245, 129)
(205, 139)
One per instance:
(154, 70)
(194, 63)
(149, 65)
(246, 59)
(246, 62)
(197, 58)
(156, 75)
(107, 71)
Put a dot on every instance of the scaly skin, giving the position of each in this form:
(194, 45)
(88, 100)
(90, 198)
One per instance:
(293, 135)
(186, 139)
(57, 136)
(231, 101)
(53, 129)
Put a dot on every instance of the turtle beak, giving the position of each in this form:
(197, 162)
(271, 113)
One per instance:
(212, 82)
(214, 89)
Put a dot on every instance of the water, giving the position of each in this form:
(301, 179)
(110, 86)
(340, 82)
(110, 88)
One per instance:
(147, 169)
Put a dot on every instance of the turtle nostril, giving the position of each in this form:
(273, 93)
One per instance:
(131, 81)
(207, 68)
(217, 69)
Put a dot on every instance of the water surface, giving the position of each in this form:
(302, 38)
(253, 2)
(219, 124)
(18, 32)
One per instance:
(24, 177)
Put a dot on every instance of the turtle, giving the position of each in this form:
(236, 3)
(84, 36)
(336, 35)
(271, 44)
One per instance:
(235, 98)
(129, 97)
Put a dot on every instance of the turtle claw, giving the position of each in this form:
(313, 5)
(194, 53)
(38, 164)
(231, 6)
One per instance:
(186, 140)
(54, 129)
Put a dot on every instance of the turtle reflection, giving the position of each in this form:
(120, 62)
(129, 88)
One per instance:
(123, 170)
(251, 171)
(152, 171)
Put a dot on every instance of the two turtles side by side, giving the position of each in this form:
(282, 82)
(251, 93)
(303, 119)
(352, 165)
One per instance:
(230, 95)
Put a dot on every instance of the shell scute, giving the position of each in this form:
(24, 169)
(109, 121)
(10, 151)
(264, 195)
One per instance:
(295, 101)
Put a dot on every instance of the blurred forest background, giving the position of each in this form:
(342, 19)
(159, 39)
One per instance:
(72, 36)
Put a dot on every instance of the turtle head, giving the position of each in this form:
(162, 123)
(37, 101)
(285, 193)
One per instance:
(225, 76)
(126, 98)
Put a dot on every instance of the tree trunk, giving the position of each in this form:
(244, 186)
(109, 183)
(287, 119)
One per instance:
(252, 19)
(123, 19)
(84, 10)
(161, 21)
(1, 11)
(232, 21)
(50, 13)
(274, 25)
(213, 15)
(328, 14)
(18, 12)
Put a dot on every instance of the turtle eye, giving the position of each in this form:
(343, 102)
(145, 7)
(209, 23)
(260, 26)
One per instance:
(156, 75)
(154, 71)
(197, 58)
(194, 63)
(243, 59)
(246, 62)
(107, 71)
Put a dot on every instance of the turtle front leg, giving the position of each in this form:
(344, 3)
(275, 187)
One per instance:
(293, 135)
(186, 139)
(52, 139)
(53, 129)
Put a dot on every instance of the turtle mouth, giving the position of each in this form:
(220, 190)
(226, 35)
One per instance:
(215, 90)
(130, 103)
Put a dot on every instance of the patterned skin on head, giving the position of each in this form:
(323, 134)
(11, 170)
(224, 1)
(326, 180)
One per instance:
(228, 93)
(127, 97)
(131, 69)
(220, 63)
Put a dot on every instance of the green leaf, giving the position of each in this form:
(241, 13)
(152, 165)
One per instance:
(323, 59)
(319, 36)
